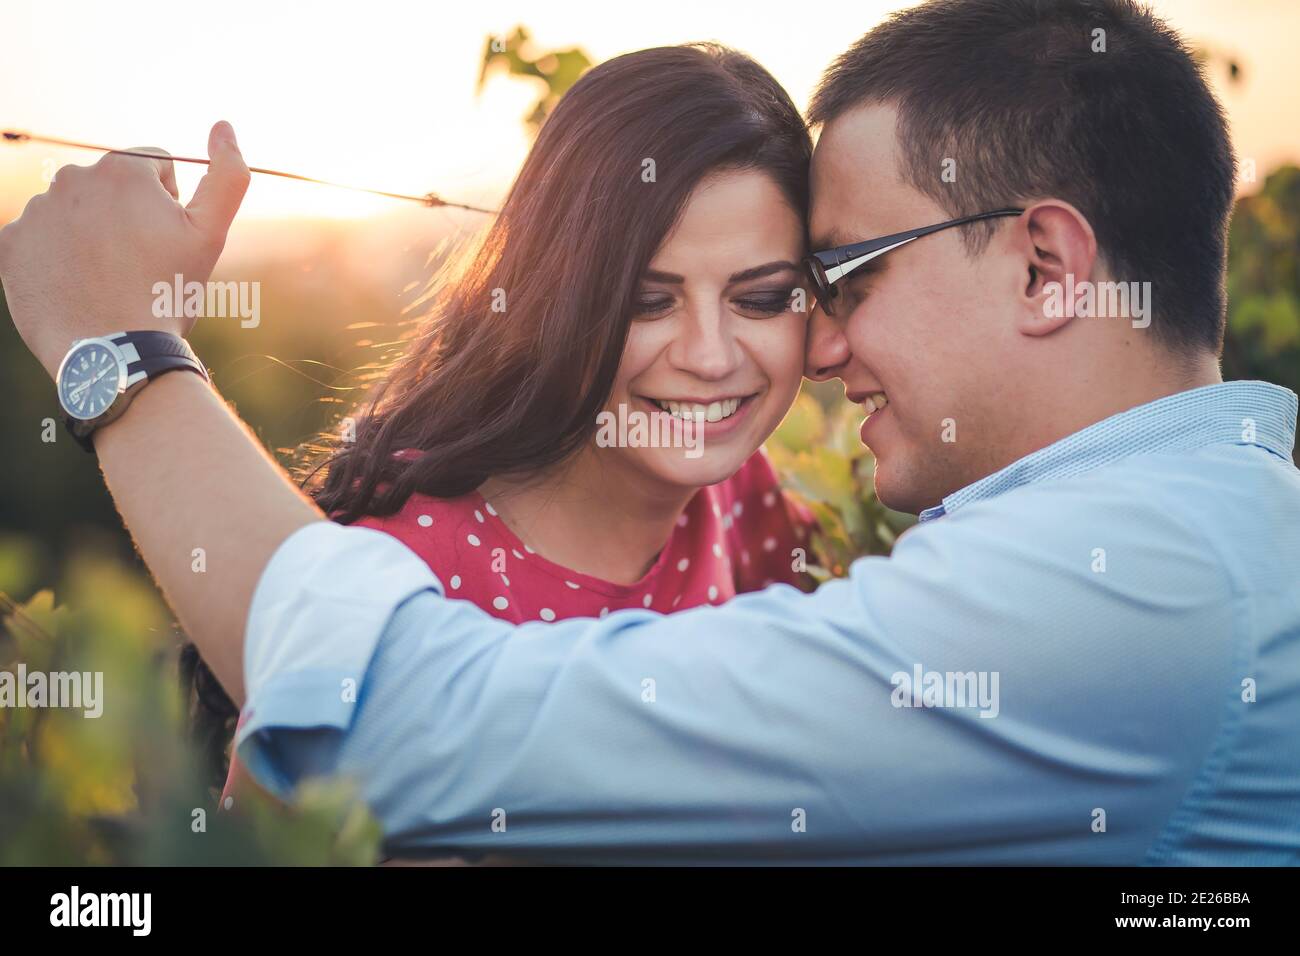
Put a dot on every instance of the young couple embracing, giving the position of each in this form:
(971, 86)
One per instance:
(602, 642)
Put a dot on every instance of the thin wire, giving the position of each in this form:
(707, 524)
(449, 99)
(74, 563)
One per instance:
(429, 199)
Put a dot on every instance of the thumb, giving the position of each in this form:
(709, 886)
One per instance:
(222, 188)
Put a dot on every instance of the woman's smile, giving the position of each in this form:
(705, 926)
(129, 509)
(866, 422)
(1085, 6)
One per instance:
(716, 418)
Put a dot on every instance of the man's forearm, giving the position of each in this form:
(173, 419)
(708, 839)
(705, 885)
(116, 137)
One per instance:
(186, 474)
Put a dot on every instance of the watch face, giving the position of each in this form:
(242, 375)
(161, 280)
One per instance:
(89, 380)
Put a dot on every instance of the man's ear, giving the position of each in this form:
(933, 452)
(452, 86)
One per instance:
(1059, 251)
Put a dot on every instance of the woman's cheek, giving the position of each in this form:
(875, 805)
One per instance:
(781, 352)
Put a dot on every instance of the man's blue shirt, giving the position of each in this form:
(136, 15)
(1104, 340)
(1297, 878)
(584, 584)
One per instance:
(1089, 657)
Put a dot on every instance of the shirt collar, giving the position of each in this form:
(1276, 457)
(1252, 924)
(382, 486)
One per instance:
(1236, 413)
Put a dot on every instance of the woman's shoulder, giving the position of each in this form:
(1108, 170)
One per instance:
(425, 524)
(464, 543)
(415, 507)
(422, 519)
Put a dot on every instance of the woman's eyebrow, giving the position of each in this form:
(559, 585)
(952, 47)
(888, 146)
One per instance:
(757, 272)
(766, 269)
(671, 278)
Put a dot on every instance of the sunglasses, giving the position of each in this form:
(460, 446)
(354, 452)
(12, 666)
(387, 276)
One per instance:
(827, 268)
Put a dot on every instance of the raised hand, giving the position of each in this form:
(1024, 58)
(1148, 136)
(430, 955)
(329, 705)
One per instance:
(83, 258)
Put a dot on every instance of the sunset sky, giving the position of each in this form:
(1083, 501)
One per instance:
(382, 93)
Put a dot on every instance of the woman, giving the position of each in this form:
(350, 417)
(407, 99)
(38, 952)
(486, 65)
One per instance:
(645, 263)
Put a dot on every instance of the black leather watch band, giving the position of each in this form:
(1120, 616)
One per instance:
(148, 354)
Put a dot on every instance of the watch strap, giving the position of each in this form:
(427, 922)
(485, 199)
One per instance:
(154, 353)
(148, 354)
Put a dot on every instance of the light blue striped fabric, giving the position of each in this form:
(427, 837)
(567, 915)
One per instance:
(1128, 599)
(1175, 423)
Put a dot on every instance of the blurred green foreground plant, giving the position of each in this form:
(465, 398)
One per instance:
(125, 788)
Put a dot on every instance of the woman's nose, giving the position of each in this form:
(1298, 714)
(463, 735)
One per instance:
(707, 346)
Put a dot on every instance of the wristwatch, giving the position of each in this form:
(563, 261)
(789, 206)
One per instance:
(100, 376)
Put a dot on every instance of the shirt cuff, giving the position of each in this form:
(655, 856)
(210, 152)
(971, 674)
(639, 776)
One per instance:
(317, 614)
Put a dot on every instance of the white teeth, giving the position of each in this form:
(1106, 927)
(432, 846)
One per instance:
(875, 402)
(694, 411)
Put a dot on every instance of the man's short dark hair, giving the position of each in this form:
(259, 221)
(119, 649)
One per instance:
(1021, 95)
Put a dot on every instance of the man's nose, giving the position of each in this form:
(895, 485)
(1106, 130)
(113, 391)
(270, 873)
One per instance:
(827, 348)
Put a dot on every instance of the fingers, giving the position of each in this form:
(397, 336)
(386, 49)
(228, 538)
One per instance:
(162, 167)
(66, 174)
(222, 189)
(165, 168)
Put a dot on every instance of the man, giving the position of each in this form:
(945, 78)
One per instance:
(1088, 651)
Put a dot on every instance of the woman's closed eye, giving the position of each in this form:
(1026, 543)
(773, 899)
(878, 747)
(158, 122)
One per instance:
(764, 303)
(652, 304)
(754, 303)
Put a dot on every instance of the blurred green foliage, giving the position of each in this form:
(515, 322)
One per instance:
(821, 459)
(557, 69)
(122, 788)
(1263, 337)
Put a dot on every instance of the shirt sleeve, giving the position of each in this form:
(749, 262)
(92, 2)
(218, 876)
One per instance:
(777, 727)
(323, 601)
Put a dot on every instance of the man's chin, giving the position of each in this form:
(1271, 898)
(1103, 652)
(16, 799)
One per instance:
(897, 494)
